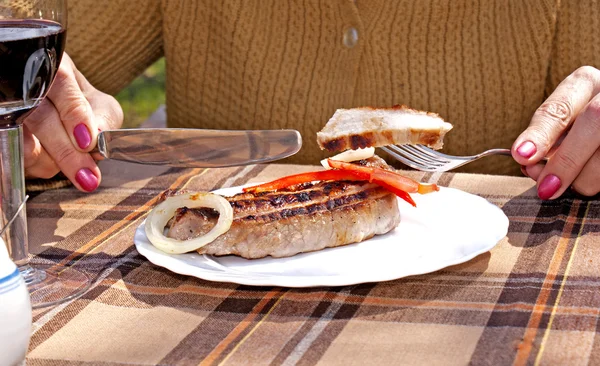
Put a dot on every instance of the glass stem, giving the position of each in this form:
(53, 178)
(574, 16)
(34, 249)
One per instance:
(12, 194)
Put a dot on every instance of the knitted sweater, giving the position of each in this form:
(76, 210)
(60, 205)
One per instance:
(483, 65)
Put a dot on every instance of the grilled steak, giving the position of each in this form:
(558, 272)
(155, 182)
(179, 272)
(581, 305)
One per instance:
(363, 127)
(299, 219)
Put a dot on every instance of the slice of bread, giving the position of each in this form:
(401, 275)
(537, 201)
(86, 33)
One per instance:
(366, 126)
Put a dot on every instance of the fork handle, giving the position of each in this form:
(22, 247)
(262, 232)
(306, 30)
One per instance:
(505, 152)
(498, 152)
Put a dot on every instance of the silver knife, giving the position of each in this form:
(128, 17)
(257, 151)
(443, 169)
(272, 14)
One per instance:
(182, 147)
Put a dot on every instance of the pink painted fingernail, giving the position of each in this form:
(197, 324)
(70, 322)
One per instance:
(527, 149)
(86, 179)
(82, 136)
(549, 186)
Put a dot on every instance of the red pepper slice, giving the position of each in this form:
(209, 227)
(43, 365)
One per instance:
(398, 192)
(303, 178)
(399, 185)
(391, 178)
(425, 188)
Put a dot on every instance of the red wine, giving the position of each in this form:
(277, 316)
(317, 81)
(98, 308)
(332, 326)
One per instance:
(30, 52)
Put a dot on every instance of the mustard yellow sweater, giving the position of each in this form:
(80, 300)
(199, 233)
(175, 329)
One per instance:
(483, 65)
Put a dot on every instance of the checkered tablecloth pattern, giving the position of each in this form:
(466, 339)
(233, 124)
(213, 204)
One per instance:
(535, 298)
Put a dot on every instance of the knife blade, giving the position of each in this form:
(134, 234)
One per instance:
(183, 147)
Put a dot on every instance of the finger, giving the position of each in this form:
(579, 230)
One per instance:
(524, 170)
(79, 167)
(107, 113)
(107, 110)
(553, 118)
(533, 171)
(74, 109)
(587, 182)
(37, 161)
(83, 83)
(573, 154)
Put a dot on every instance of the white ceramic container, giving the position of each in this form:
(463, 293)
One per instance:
(15, 312)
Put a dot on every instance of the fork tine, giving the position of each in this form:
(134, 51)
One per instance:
(410, 151)
(408, 162)
(408, 155)
(432, 154)
(413, 155)
(435, 153)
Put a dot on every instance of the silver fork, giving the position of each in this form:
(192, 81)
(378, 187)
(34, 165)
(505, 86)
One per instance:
(425, 159)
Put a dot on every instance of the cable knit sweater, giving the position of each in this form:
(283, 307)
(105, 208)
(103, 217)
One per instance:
(483, 65)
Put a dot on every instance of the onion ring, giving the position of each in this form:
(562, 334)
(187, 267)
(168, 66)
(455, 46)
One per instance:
(162, 213)
(349, 156)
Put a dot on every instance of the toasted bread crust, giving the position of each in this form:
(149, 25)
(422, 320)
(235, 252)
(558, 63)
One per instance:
(379, 127)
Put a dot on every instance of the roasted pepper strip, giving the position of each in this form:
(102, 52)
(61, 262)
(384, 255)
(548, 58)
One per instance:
(391, 181)
(398, 192)
(425, 188)
(391, 178)
(305, 178)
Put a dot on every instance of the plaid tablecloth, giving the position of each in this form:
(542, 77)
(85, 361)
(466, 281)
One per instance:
(534, 299)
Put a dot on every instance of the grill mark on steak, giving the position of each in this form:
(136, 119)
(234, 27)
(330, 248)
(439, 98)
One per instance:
(272, 206)
(278, 205)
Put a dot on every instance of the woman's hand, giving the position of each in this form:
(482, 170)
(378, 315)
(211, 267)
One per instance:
(62, 130)
(565, 128)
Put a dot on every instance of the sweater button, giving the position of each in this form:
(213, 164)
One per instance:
(350, 37)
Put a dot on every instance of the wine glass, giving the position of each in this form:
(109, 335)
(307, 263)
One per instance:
(32, 41)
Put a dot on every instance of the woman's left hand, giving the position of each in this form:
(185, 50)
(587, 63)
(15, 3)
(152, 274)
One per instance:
(566, 129)
(61, 132)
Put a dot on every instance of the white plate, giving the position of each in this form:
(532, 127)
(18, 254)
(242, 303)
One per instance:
(446, 228)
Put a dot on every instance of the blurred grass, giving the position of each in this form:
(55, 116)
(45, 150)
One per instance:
(144, 95)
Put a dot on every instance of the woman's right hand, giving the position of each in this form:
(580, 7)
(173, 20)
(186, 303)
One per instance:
(62, 130)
